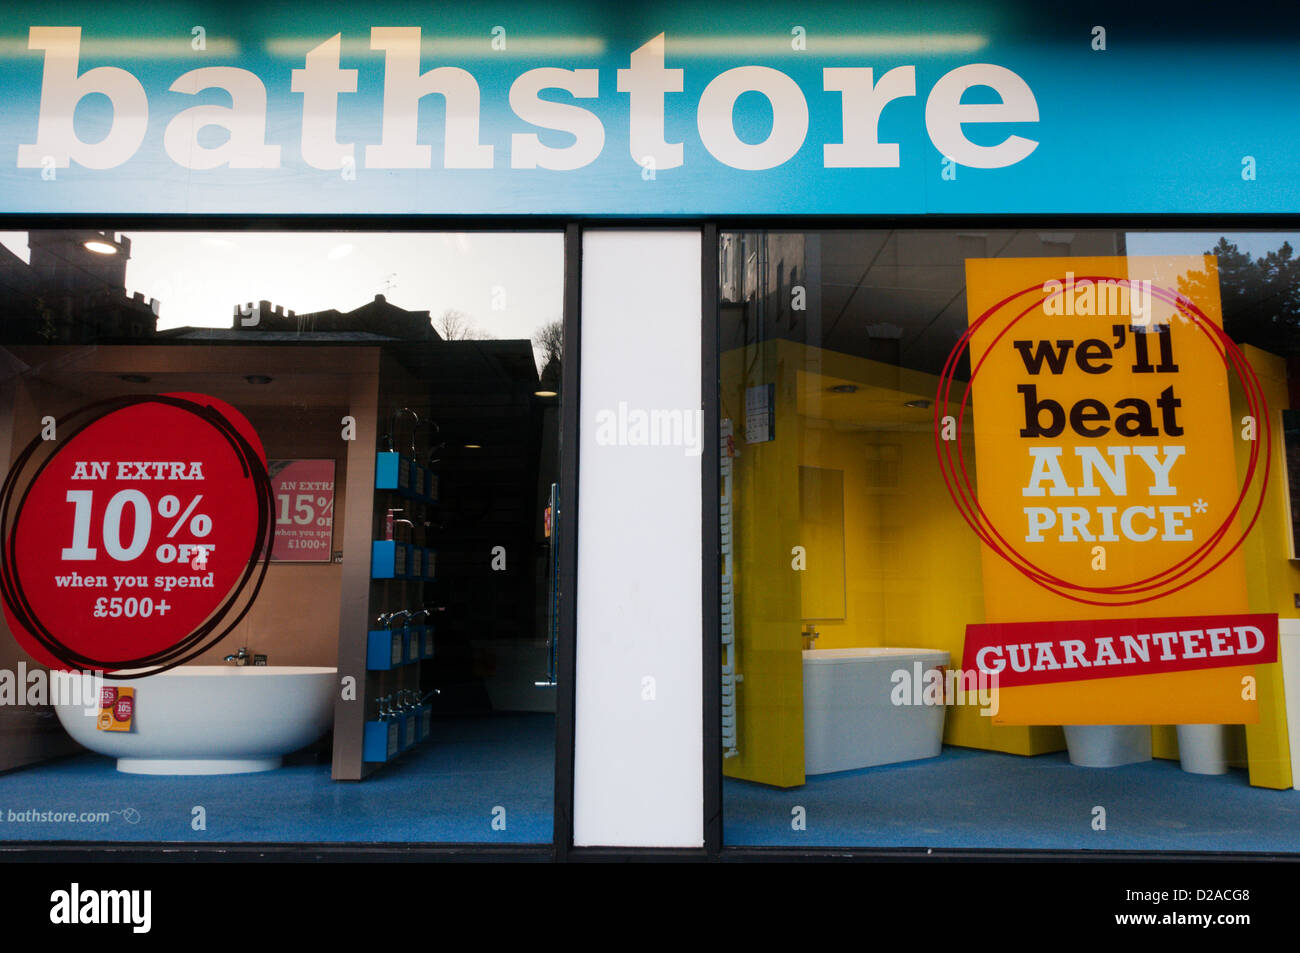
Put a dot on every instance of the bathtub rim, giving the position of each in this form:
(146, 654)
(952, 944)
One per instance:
(211, 671)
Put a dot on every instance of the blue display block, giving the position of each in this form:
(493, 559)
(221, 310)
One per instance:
(381, 741)
(430, 558)
(392, 472)
(426, 642)
(390, 559)
(385, 649)
(424, 722)
(414, 643)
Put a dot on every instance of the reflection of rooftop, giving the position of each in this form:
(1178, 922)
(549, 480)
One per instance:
(70, 294)
(469, 364)
(375, 321)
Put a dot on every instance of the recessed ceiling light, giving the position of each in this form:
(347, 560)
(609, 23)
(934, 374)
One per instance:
(473, 446)
(917, 404)
(545, 393)
(100, 248)
(843, 389)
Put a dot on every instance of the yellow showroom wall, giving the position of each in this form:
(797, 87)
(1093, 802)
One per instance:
(765, 508)
(911, 564)
(1272, 577)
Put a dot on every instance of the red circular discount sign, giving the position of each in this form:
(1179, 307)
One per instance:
(139, 536)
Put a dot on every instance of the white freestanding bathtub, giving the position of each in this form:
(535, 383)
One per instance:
(211, 719)
(849, 719)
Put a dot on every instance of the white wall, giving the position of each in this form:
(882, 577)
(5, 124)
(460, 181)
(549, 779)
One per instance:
(638, 777)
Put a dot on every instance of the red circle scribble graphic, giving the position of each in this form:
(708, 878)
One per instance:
(116, 553)
(1160, 584)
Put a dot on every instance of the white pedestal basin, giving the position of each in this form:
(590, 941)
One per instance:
(1108, 746)
(1203, 749)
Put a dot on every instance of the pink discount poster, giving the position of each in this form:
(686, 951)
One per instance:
(304, 510)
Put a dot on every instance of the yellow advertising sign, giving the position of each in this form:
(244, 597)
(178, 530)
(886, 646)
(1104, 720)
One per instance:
(1107, 490)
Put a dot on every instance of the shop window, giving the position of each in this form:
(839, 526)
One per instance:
(1009, 545)
(296, 493)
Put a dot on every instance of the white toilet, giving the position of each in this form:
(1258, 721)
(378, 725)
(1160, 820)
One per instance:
(1107, 746)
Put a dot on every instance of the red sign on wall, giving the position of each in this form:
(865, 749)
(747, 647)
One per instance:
(304, 510)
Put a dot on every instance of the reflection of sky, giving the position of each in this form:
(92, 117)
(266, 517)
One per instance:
(1255, 244)
(507, 284)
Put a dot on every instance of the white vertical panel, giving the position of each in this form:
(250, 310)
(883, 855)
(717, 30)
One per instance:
(1288, 653)
(638, 776)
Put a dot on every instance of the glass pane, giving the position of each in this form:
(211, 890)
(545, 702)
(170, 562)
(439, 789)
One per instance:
(295, 493)
(1007, 538)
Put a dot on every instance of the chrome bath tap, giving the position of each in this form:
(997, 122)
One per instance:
(240, 658)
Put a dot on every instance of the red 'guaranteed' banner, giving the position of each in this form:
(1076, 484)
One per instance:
(1037, 653)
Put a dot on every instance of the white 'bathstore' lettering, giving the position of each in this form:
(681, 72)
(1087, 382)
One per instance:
(647, 82)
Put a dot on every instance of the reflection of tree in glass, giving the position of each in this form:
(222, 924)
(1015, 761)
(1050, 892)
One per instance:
(456, 325)
(548, 350)
(549, 341)
(1261, 297)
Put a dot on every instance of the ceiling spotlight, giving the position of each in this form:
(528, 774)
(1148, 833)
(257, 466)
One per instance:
(843, 389)
(473, 446)
(258, 379)
(100, 248)
(921, 404)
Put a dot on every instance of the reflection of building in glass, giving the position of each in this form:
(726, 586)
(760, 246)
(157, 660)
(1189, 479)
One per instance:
(264, 322)
(494, 426)
(73, 291)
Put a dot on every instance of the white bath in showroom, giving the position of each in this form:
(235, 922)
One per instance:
(211, 719)
(849, 717)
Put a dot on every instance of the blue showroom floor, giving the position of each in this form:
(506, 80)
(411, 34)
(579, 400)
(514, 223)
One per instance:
(979, 799)
(444, 790)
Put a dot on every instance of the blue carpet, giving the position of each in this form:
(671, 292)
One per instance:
(443, 790)
(967, 798)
